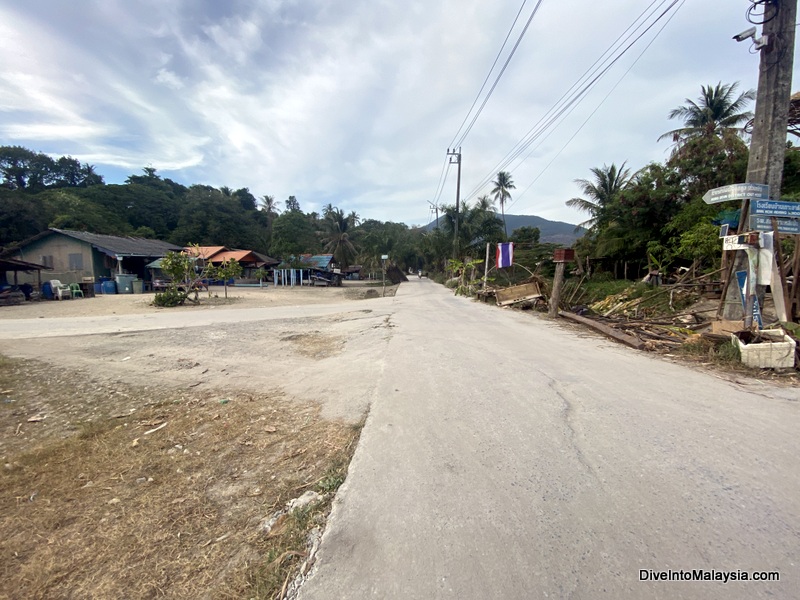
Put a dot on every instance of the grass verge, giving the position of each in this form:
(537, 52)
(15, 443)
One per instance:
(140, 494)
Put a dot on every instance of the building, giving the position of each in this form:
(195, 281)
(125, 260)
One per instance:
(77, 256)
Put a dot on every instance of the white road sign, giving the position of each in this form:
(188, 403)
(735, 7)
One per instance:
(737, 191)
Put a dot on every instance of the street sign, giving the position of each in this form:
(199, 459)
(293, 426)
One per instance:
(741, 277)
(384, 256)
(735, 242)
(775, 208)
(737, 191)
(785, 225)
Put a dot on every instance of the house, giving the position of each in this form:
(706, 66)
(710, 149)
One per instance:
(79, 256)
(250, 261)
(306, 269)
(205, 253)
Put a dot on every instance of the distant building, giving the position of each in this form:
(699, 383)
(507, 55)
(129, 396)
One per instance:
(75, 256)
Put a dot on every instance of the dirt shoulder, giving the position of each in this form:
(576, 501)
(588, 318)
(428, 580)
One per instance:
(128, 304)
(160, 463)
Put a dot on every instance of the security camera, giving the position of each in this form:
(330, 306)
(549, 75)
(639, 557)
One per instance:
(747, 33)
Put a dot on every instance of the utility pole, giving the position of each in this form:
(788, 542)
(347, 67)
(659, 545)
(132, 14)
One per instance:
(455, 158)
(435, 207)
(768, 141)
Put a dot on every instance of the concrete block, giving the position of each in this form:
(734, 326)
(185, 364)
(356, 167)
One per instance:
(776, 354)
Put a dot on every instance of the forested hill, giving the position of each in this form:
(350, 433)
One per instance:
(552, 232)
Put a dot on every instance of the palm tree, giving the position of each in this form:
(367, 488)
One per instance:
(269, 205)
(337, 237)
(608, 183)
(501, 192)
(90, 177)
(717, 111)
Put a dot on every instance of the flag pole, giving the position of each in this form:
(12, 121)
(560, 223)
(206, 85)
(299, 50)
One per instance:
(486, 267)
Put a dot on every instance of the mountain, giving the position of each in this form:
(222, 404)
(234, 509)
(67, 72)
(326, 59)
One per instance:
(554, 232)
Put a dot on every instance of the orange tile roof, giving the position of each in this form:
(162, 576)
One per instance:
(237, 255)
(205, 251)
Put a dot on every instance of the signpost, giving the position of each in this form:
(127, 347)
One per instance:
(383, 258)
(737, 191)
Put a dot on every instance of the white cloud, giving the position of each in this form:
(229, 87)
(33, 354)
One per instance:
(169, 79)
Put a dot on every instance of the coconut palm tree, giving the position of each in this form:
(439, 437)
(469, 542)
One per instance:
(501, 192)
(337, 235)
(718, 110)
(600, 193)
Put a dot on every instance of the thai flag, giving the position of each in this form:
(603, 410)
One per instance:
(505, 255)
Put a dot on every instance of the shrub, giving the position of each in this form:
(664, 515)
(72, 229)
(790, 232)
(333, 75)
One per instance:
(169, 298)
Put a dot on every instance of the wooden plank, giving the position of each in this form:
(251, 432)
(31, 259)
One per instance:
(626, 339)
(518, 293)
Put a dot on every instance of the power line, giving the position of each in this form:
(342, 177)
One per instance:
(502, 71)
(489, 74)
(566, 102)
(573, 95)
(646, 48)
(442, 179)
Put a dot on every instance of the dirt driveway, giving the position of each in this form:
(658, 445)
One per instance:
(152, 462)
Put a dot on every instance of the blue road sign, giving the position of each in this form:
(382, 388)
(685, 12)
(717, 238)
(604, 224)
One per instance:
(775, 208)
(741, 277)
(785, 225)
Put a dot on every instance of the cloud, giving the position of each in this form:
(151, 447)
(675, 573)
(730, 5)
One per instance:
(353, 103)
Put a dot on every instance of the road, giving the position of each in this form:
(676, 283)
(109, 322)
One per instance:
(506, 456)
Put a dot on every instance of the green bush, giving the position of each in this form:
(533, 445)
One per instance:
(169, 298)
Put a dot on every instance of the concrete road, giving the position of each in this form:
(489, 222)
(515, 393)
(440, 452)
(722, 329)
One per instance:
(509, 457)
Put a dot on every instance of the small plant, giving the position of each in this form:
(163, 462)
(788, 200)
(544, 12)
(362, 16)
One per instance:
(169, 298)
(729, 353)
(229, 269)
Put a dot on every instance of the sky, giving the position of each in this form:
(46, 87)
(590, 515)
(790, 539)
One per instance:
(356, 102)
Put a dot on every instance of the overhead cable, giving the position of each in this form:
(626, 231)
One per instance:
(489, 74)
(650, 43)
(577, 92)
(497, 79)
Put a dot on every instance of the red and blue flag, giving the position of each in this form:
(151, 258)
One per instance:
(505, 255)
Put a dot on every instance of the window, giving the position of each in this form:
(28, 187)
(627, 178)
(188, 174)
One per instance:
(76, 262)
(47, 261)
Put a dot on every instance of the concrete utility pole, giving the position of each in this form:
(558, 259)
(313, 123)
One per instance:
(455, 158)
(435, 207)
(768, 141)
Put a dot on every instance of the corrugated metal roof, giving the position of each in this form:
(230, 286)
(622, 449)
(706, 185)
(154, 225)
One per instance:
(121, 246)
(318, 261)
(321, 262)
(267, 260)
(15, 264)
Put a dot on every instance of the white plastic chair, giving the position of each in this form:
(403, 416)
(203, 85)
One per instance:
(60, 290)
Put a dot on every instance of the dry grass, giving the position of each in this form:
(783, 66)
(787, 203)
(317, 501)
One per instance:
(104, 509)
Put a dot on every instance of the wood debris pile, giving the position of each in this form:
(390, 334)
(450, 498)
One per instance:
(652, 319)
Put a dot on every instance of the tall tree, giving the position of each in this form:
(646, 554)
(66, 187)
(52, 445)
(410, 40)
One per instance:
(502, 193)
(292, 205)
(600, 192)
(716, 112)
(246, 199)
(337, 235)
(269, 205)
(293, 234)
